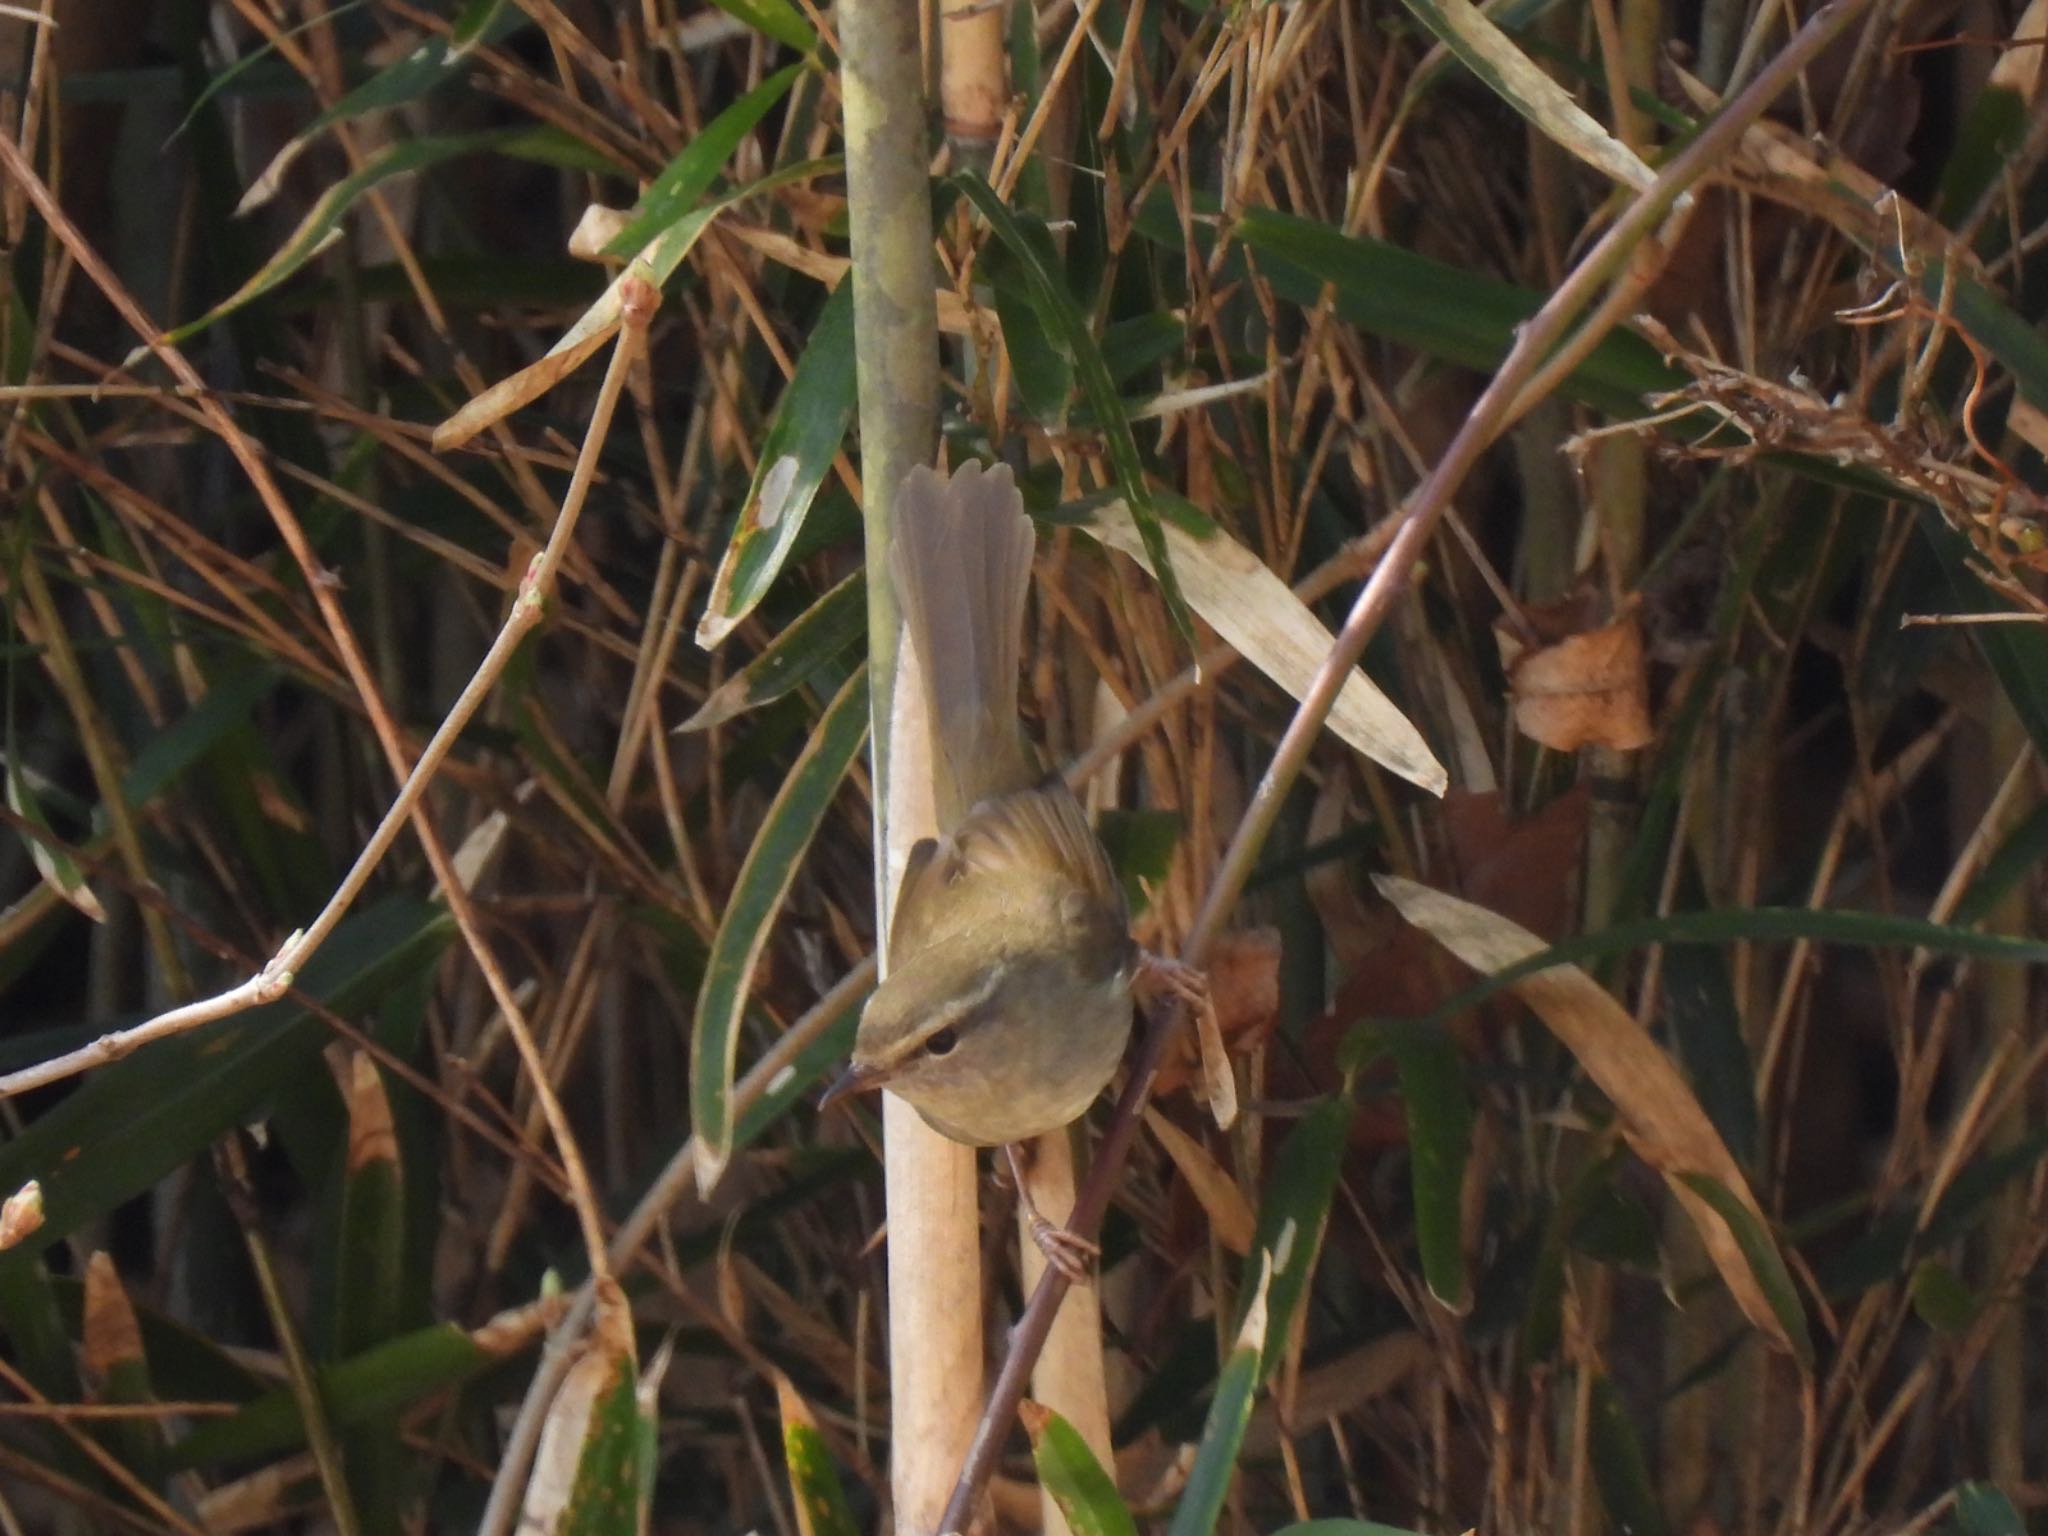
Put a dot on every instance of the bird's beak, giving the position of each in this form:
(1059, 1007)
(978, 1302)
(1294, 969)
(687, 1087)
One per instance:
(855, 1079)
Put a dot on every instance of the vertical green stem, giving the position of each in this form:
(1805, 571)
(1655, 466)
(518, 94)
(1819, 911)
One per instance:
(896, 328)
(935, 1350)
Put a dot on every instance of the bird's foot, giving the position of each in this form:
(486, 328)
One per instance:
(1066, 1250)
(1191, 986)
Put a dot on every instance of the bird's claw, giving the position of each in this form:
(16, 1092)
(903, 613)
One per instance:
(1191, 986)
(1065, 1250)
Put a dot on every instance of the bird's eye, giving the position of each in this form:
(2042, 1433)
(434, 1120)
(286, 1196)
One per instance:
(941, 1042)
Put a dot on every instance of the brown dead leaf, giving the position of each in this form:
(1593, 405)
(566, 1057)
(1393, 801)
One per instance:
(1524, 868)
(372, 1138)
(1588, 689)
(1660, 1116)
(598, 228)
(1229, 1212)
(21, 1215)
(2028, 422)
(1243, 970)
(1352, 926)
(109, 1334)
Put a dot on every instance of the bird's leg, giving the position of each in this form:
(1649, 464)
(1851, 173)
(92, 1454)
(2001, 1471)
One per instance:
(1065, 1249)
(1191, 986)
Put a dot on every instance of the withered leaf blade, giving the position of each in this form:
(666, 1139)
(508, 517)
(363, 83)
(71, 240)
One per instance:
(1660, 1116)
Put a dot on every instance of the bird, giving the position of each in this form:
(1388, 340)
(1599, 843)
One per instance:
(1006, 1004)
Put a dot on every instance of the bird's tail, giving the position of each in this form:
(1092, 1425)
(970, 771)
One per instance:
(960, 555)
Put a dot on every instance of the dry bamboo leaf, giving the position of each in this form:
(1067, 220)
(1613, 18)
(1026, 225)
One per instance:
(372, 1138)
(1493, 56)
(1242, 970)
(2018, 68)
(598, 228)
(956, 315)
(1350, 928)
(263, 1498)
(1587, 690)
(56, 868)
(575, 348)
(1219, 1082)
(1659, 1114)
(584, 1391)
(516, 1328)
(21, 1215)
(2027, 420)
(1230, 1214)
(1252, 609)
(1339, 1387)
(110, 1336)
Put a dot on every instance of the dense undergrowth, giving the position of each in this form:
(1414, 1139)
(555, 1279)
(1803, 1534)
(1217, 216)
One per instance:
(1687, 650)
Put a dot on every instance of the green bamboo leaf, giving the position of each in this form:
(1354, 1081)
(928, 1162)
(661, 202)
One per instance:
(1084, 1492)
(689, 175)
(1765, 1262)
(1067, 328)
(33, 1325)
(1129, 347)
(1041, 362)
(1293, 1214)
(46, 851)
(429, 65)
(655, 265)
(591, 1468)
(1439, 1141)
(1140, 845)
(369, 1244)
(377, 1385)
(256, 56)
(184, 1364)
(474, 26)
(824, 1055)
(368, 1272)
(136, 1121)
(322, 222)
(819, 638)
(796, 454)
(1885, 1250)
(2018, 653)
(110, 1343)
(422, 70)
(776, 19)
(1542, 1322)
(1982, 1510)
(816, 1492)
(1940, 1299)
(1042, 371)
(1699, 1002)
(1618, 1465)
(750, 913)
(1461, 317)
(1215, 1463)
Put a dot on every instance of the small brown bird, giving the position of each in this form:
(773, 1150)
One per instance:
(1008, 998)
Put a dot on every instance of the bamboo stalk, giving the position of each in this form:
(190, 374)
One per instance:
(935, 1347)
